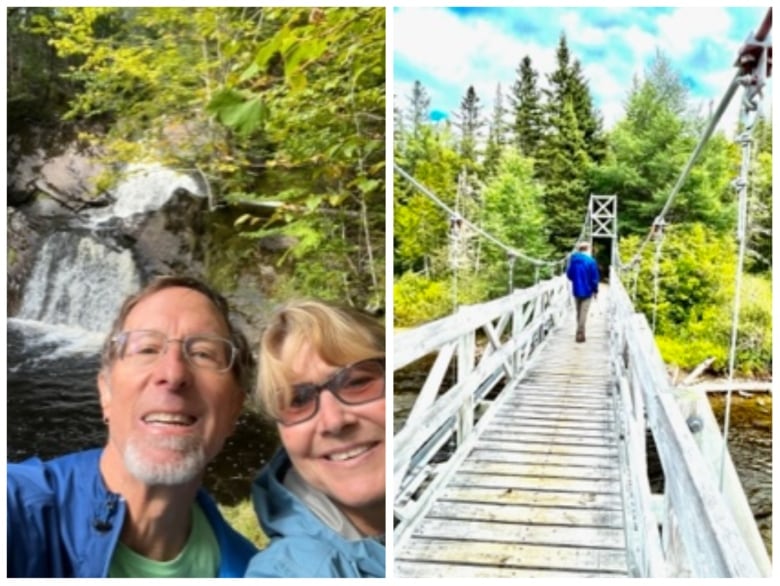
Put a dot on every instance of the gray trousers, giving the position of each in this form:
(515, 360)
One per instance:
(582, 313)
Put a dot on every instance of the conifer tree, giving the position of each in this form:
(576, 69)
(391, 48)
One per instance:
(468, 121)
(527, 105)
(416, 128)
(563, 155)
(419, 107)
(567, 83)
(563, 165)
(497, 134)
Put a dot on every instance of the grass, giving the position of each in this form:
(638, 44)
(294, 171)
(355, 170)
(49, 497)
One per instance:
(243, 519)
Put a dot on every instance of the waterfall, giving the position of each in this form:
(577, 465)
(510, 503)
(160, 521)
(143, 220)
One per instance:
(77, 281)
(146, 188)
(86, 265)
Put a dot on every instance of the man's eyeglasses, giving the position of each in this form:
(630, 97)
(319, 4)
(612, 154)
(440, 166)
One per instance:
(142, 348)
(355, 384)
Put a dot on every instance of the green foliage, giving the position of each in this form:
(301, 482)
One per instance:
(267, 103)
(563, 169)
(243, 519)
(693, 262)
(241, 113)
(526, 99)
(417, 299)
(420, 226)
(760, 201)
(537, 205)
(513, 213)
(696, 275)
(708, 334)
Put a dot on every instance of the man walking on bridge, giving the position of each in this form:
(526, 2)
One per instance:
(583, 272)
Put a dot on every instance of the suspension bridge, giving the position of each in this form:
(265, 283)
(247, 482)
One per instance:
(532, 460)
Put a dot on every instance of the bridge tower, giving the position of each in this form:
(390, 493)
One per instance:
(602, 221)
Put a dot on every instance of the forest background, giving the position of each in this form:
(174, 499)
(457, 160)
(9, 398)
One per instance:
(524, 173)
(282, 110)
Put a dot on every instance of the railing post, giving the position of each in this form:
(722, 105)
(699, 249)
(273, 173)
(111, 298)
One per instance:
(466, 361)
(517, 328)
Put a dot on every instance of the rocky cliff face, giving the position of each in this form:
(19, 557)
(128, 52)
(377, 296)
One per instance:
(156, 217)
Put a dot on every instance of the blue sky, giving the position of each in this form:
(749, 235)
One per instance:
(448, 49)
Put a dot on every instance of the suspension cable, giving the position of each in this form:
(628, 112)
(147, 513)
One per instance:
(658, 235)
(475, 228)
(742, 185)
(750, 75)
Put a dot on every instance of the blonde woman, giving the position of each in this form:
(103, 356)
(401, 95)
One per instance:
(321, 498)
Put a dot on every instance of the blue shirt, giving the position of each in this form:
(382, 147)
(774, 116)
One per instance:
(583, 272)
(64, 522)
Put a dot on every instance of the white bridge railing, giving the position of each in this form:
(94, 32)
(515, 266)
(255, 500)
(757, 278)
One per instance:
(491, 344)
(700, 525)
(694, 528)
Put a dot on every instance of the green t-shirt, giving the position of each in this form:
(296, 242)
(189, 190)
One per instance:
(198, 559)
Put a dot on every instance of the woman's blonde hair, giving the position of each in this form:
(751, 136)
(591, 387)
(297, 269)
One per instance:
(340, 335)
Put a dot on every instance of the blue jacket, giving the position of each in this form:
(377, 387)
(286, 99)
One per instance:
(583, 272)
(302, 546)
(63, 521)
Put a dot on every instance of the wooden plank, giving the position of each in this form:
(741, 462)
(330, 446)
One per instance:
(480, 478)
(500, 444)
(527, 515)
(522, 412)
(533, 497)
(523, 396)
(603, 426)
(601, 462)
(405, 569)
(520, 470)
(547, 430)
(547, 436)
(486, 531)
(517, 556)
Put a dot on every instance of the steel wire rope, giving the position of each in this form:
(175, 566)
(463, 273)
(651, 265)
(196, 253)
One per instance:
(659, 235)
(742, 183)
(508, 249)
(705, 136)
(740, 78)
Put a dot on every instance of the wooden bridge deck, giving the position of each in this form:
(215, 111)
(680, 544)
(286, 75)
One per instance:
(540, 493)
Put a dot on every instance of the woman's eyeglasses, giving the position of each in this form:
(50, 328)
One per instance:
(354, 384)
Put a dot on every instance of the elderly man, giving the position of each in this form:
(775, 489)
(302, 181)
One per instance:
(583, 272)
(172, 383)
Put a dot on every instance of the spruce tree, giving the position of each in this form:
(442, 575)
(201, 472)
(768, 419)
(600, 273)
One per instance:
(419, 107)
(416, 128)
(567, 83)
(497, 134)
(563, 167)
(564, 154)
(469, 123)
(527, 105)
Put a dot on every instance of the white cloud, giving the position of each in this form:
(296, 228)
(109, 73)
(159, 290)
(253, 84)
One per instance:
(576, 28)
(451, 52)
(607, 89)
(681, 31)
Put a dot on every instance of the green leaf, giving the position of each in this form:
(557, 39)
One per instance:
(238, 113)
(242, 219)
(367, 185)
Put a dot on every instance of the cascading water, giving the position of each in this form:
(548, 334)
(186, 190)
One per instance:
(82, 273)
(78, 281)
(146, 188)
(77, 284)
